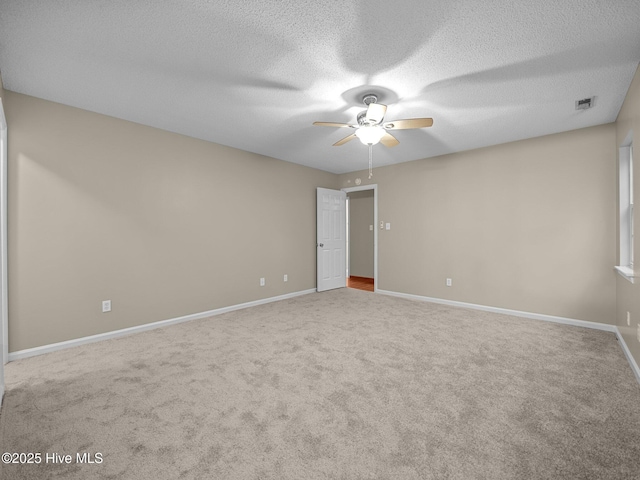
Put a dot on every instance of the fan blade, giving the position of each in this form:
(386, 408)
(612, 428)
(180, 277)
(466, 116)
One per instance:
(375, 112)
(344, 140)
(332, 124)
(408, 123)
(389, 140)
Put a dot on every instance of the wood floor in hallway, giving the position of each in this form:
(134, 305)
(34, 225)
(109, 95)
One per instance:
(361, 283)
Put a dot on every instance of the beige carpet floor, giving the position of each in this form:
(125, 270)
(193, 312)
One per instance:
(337, 385)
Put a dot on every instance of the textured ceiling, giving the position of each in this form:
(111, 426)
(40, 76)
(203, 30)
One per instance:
(255, 74)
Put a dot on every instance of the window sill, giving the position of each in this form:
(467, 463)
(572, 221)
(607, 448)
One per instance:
(627, 273)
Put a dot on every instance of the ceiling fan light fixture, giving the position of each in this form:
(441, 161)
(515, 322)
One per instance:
(370, 135)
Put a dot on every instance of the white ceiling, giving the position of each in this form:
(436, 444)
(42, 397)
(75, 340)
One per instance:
(255, 74)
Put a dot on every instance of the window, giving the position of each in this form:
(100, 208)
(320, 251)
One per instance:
(625, 267)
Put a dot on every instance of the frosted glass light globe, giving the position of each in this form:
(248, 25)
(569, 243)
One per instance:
(370, 135)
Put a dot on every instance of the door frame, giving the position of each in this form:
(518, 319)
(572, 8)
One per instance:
(4, 320)
(373, 187)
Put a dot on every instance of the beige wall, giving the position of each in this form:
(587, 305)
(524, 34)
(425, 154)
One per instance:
(529, 225)
(628, 294)
(161, 224)
(360, 237)
(165, 225)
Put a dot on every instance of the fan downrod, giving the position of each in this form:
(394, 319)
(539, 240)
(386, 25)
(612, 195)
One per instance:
(369, 98)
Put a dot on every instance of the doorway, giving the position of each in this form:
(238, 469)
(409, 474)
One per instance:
(362, 237)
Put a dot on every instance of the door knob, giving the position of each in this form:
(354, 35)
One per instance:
(321, 244)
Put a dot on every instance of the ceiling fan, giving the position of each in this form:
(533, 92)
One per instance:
(371, 129)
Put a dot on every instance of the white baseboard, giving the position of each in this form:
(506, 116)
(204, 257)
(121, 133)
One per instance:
(506, 311)
(31, 352)
(534, 316)
(627, 352)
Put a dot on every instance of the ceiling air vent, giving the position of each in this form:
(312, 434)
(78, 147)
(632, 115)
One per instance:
(585, 103)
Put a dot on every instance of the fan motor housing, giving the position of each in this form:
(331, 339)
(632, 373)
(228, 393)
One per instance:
(362, 119)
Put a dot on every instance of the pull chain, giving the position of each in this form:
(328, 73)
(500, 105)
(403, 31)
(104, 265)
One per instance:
(370, 160)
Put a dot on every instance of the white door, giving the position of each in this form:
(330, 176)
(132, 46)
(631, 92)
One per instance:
(331, 239)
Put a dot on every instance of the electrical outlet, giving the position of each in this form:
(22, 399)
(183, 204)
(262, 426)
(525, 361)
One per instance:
(286, 277)
(106, 306)
(449, 282)
(262, 282)
(628, 319)
(638, 332)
